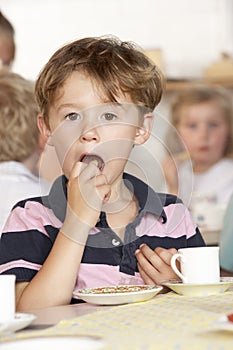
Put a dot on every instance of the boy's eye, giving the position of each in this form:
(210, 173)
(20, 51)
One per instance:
(73, 116)
(109, 116)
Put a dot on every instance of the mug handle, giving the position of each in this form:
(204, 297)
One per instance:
(174, 267)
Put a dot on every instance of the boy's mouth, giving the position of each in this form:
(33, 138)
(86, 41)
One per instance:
(88, 158)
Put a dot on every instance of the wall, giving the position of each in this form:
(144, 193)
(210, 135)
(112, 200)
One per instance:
(190, 33)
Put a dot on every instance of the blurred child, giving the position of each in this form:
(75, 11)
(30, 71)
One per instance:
(7, 42)
(96, 98)
(19, 150)
(203, 118)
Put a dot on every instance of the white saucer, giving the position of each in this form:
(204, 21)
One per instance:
(116, 295)
(194, 290)
(20, 321)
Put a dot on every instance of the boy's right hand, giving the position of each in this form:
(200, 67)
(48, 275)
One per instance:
(87, 189)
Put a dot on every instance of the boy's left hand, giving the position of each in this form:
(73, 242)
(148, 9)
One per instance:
(154, 265)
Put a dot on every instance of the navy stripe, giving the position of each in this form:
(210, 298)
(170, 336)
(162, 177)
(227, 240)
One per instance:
(22, 274)
(32, 246)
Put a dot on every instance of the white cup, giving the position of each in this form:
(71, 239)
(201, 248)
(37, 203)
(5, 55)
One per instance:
(7, 298)
(198, 265)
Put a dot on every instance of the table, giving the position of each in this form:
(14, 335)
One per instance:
(51, 316)
(168, 321)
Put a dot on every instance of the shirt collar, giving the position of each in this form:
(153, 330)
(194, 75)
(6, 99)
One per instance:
(149, 200)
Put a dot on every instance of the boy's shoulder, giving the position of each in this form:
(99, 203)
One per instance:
(55, 201)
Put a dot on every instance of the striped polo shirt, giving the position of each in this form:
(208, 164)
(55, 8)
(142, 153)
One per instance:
(34, 223)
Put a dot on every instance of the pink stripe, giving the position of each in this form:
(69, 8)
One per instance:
(19, 263)
(179, 223)
(33, 216)
(104, 275)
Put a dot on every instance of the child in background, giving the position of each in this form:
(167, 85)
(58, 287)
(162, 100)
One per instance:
(96, 99)
(203, 118)
(7, 42)
(19, 136)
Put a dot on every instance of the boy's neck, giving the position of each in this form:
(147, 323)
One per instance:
(118, 220)
(120, 197)
(121, 209)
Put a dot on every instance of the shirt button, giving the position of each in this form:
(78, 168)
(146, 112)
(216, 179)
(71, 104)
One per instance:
(115, 242)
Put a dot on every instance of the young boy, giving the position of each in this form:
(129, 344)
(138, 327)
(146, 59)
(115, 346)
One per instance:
(96, 98)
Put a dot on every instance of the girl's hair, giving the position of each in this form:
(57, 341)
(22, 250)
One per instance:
(197, 95)
(7, 37)
(114, 66)
(18, 117)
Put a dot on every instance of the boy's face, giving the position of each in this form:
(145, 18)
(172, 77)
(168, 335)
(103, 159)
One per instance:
(204, 131)
(85, 128)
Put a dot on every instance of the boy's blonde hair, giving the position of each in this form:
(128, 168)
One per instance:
(205, 94)
(18, 117)
(114, 66)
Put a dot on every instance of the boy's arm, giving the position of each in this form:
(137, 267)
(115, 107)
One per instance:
(55, 281)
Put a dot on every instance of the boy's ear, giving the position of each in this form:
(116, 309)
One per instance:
(44, 129)
(144, 131)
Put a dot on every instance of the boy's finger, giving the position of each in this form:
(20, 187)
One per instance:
(104, 192)
(149, 262)
(144, 276)
(76, 170)
(164, 254)
(91, 170)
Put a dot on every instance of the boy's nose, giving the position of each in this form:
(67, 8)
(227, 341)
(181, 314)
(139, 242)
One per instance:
(90, 136)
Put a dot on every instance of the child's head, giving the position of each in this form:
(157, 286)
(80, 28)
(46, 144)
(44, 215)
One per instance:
(18, 118)
(96, 94)
(7, 41)
(115, 68)
(203, 118)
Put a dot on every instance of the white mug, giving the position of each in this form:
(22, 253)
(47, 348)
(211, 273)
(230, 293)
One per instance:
(7, 298)
(198, 265)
